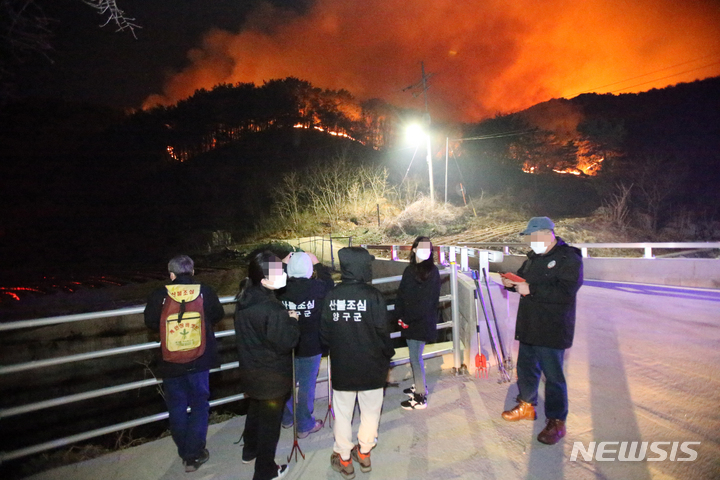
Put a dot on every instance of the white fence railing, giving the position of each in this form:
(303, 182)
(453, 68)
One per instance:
(116, 389)
(647, 247)
(456, 257)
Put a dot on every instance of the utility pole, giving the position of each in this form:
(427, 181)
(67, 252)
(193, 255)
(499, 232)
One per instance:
(426, 121)
(427, 134)
(447, 143)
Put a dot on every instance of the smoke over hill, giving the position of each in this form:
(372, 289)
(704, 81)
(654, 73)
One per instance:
(488, 57)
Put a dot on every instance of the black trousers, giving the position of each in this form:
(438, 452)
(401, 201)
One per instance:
(262, 431)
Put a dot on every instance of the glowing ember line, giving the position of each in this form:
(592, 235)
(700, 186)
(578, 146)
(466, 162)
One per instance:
(572, 172)
(12, 295)
(21, 289)
(330, 132)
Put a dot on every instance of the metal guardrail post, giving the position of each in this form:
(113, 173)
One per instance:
(40, 405)
(455, 309)
(483, 260)
(17, 325)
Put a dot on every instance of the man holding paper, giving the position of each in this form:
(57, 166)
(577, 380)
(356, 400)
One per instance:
(548, 282)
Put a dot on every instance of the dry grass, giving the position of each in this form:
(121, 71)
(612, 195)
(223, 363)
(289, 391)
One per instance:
(423, 218)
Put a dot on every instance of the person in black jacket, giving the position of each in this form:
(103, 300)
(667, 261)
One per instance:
(417, 309)
(553, 274)
(265, 334)
(355, 328)
(305, 295)
(187, 384)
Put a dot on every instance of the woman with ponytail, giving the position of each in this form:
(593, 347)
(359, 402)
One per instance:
(417, 309)
(265, 335)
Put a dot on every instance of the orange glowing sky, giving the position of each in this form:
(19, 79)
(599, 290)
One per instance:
(487, 57)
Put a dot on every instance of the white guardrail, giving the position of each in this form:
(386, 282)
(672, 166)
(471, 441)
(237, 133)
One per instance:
(456, 257)
(53, 402)
(647, 247)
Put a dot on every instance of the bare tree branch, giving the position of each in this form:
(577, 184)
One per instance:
(114, 15)
(618, 206)
(24, 27)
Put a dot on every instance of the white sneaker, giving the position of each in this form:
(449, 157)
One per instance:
(411, 391)
(282, 471)
(416, 402)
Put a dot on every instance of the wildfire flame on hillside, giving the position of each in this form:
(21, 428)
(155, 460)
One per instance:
(588, 166)
(329, 132)
(489, 57)
(572, 171)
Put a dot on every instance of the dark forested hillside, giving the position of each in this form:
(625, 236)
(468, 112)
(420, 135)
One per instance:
(663, 145)
(85, 185)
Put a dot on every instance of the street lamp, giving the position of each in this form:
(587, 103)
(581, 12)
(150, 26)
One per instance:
(416, 133)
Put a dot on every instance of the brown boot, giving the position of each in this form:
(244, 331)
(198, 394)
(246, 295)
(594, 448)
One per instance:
(553, 432)
(522, 411)
(345, 467)
(362, 458)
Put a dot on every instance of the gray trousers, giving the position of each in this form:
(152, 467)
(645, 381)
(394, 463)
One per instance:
(417, 363)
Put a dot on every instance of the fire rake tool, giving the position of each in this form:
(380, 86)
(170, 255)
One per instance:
(508, 358)
(481, 368)
(497, 353)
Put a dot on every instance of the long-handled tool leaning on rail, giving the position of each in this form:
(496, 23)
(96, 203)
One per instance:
(492, 334)
(507, 356)
(481, 367)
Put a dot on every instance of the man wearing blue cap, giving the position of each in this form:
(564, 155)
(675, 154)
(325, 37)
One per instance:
(552, 276)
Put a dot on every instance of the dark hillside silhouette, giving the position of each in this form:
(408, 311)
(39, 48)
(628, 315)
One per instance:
(85, 185)
(664, 142)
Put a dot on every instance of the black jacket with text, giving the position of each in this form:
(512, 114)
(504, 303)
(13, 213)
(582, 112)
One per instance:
(306, 296)
(417, 304)
(354, 326)
(265, 336)
(546, 317)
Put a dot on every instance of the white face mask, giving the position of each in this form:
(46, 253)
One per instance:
(280, 282)
(538, 247)
(422, 254)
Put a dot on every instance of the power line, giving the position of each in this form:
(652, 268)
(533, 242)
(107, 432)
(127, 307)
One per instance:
(646, 74)
(663, 78)
(496, 135)
(411, 162)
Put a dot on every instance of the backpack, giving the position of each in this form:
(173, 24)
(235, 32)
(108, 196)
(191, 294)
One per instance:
(182, 324)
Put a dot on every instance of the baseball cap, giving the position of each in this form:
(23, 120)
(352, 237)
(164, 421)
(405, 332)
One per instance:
(538, 223)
